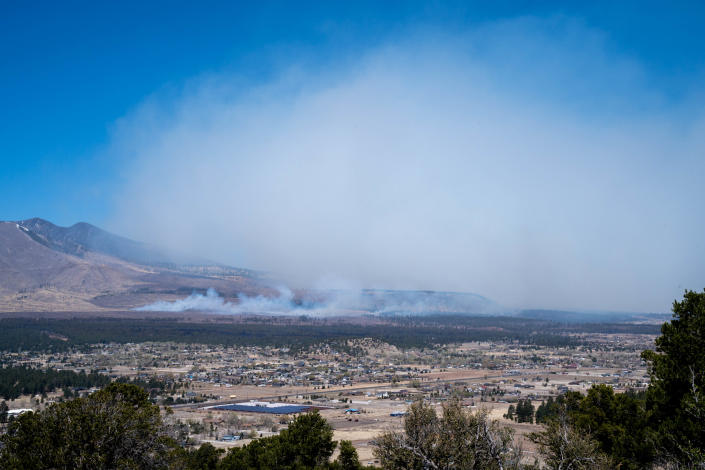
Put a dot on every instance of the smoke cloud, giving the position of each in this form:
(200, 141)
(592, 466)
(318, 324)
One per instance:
(334, 302)
(214, 303)
(522, 160)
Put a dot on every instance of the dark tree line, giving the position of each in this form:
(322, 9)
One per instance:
(22, 380)
(40, 334)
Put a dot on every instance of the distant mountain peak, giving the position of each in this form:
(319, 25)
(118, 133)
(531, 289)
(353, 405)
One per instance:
(45, 267)
(83, 237)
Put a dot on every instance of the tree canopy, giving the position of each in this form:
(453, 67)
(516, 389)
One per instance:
(676, 396)
(457, 439)
(117, 427)
(664, 425)
(306, 444)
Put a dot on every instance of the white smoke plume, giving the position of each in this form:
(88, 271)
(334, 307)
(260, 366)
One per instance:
(523, 160)
(334, 302)
(212, 302)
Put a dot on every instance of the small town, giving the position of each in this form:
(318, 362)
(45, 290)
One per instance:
(362, 387)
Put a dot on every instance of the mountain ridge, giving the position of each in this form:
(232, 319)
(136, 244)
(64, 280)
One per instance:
(45, 267)
(82, 236)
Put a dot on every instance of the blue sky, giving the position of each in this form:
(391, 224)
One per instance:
(71, 69)
(83, 82)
